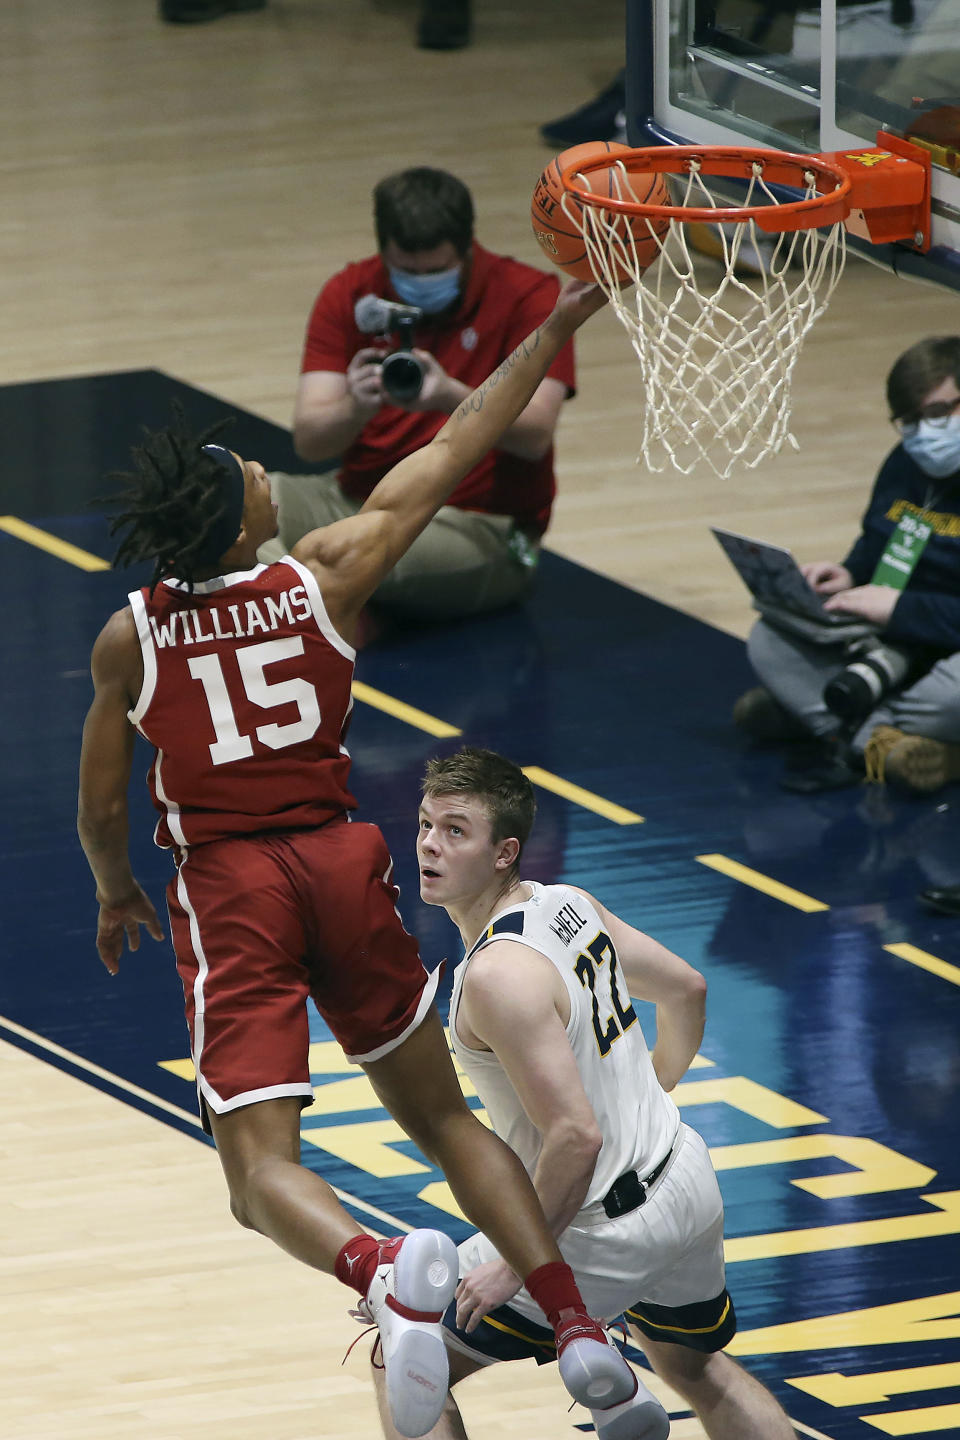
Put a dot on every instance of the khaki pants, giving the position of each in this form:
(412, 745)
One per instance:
(464, 563)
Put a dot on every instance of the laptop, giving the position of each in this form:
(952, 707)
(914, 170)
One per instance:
(775, 581)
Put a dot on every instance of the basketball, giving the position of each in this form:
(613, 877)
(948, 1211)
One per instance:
(556, 227)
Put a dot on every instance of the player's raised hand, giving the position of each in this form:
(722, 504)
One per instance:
(125, 918)
(578, 300)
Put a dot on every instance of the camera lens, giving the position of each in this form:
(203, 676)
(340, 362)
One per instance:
(863, 684)
(402, 376)
(853, 692)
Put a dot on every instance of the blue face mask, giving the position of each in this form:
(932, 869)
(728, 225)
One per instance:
(430, 293)
(935, 448)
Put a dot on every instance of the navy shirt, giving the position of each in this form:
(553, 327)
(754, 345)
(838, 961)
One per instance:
(928, 611)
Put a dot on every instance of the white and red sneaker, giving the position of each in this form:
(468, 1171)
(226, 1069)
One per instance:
(596, 1374)
(642, 1417)
(414, 1283)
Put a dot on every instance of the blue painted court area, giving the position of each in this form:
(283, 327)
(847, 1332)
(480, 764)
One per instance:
(830, 1074)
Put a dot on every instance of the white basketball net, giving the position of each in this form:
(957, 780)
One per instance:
(717, 364)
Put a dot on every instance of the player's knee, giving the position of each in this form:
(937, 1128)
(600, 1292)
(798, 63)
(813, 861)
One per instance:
(244, 1192)
(680, 1366)
(240, 1212)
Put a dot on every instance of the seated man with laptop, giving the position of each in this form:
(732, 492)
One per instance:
(880, 690)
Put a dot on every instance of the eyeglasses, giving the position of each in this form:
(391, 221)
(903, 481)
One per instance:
(936, 414)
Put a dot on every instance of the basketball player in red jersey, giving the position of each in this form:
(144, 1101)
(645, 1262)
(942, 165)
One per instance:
(239, 674)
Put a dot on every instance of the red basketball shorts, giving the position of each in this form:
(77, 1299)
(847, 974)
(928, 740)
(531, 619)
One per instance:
(259, 923)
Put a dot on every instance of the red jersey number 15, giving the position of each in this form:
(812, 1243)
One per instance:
(252, 661)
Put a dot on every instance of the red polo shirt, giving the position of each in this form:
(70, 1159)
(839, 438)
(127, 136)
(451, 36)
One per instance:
(504, 302)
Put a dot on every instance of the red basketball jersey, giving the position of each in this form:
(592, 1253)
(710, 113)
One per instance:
(246, 699)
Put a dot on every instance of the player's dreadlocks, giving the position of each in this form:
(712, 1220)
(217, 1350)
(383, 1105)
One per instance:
(171, 500)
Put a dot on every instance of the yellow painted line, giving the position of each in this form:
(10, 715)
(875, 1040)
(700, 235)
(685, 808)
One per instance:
(925, 961)
(409, 714)
(842, 1390)
(924, 1225)
(45, 541)
(579, 796)
(746, 876)
(442, 729)
(916, 1422)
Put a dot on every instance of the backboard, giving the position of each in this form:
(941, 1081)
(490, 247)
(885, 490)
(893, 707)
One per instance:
(807, 76)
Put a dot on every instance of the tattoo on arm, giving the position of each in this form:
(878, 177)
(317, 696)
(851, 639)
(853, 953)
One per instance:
(524, 350)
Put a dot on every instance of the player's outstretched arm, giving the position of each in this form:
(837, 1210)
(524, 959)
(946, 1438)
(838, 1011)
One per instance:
(415, 489)
(351, 557)
(106, 757)
(654, 973)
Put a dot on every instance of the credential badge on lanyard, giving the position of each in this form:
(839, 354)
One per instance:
(904, 548)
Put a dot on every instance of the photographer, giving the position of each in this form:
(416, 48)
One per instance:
(892, 713)
(472, 307)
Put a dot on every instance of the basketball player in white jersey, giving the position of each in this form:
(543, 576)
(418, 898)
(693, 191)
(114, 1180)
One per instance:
(541, 1022)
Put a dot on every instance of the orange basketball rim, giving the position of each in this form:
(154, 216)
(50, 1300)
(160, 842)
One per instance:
(887, 188)
(717, 339)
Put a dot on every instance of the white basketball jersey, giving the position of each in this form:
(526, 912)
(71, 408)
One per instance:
(637, 1119)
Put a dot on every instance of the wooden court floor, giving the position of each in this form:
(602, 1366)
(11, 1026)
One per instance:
(173, 198)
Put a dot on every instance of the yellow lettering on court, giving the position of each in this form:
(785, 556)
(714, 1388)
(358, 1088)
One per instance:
(326, 1058)
(439, 1194)
(877, 1168)
(916, 1422)
(849, 1390)
(368, 1145)
(748, 1096)
(908, 1322)
(847, 1237)
(355, 1093)
(182, 1068)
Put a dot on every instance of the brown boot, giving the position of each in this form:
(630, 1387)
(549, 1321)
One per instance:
(911, 762)
(762, 717)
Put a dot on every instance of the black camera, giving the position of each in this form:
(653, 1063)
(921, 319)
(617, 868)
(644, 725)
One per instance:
(401, 370)
(873, 670)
